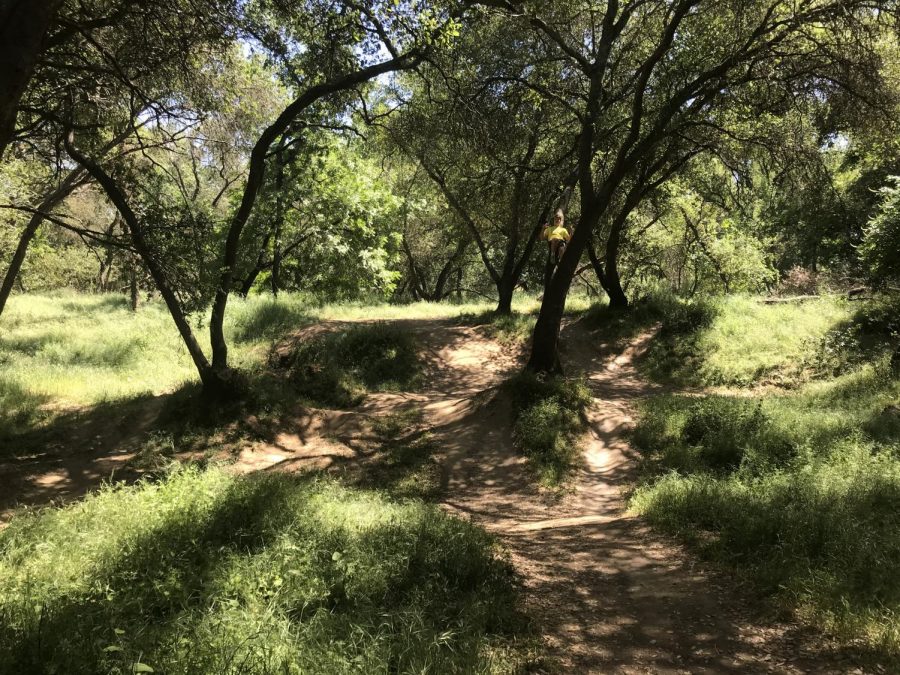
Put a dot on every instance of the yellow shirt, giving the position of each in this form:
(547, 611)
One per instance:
(560, 233)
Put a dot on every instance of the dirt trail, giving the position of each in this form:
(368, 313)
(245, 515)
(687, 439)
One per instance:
(608, 595)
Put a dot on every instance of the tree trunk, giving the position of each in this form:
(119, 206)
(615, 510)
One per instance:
(505, 290)
(23, 28)
(598, 268)
(217, 383)
(617, 297)
(107, 261)
(133, 282)
(544, 347)
(247, 285)
(256, 173)
(279, 225)
(49, 203)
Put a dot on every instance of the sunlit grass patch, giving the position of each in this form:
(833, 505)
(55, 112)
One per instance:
(733, 341)
(205, 570)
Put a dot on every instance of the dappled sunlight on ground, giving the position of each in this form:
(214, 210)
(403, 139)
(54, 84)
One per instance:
(607, 594)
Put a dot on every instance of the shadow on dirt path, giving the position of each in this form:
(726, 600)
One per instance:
(608, 594)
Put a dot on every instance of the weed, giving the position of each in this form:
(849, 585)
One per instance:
(549, 418)
(205, 572)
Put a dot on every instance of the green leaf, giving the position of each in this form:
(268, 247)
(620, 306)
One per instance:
(141, 668)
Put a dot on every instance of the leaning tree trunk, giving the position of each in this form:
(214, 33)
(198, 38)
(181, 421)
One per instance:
(23, 28)
(545, 343)
(598, 268)
(216, 384)
(50, 202)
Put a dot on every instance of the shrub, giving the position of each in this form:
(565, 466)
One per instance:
(549, 418)
(799, 281)
(338, 369)
(799, 492)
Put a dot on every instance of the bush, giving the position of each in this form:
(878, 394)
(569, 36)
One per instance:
(549, 418)
(338, 369)
(881, 239)
(799, 281)
(799, 492)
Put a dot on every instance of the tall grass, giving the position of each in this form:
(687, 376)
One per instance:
(798, 490)
(339, 368)
(205, 572)
(734, 341)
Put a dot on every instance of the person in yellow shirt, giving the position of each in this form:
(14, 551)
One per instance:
(557, 235)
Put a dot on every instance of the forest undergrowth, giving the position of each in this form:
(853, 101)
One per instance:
(787, 468)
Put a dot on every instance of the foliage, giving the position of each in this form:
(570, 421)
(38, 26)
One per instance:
(798, 492)
(549, 420)
(339, 368)
(205, 572)
(882, 238)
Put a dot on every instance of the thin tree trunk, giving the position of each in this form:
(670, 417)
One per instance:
(614, 290)
(598, 268)
(215, 384)
(247, 285)
(255, 175)
(279, 225)
(107, 261)
(49, 203)
(133, 282)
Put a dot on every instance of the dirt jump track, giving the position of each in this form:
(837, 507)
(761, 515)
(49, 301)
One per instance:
(606, 593)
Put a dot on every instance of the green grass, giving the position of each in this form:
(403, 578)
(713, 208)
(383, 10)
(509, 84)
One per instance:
(798, 490)
(732, 341)
(549, 420)
(340, 368)
(205, 572)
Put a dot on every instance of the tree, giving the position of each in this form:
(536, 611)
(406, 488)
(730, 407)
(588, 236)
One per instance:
(661, 82)
(342, 48)
(478, 128)
(23, 31)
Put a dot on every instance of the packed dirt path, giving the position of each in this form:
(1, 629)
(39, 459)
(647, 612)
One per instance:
(607, 594)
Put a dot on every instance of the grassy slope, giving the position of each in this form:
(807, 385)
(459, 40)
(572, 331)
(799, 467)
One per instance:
(203, 572)
(797, 488)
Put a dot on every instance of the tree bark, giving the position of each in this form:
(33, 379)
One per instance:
(106, 262)
(23, 30)
(133, 282)
(250, 279)
(279, 226)
(598, 268)
(614, 290)
(50, 202)
(505, 290)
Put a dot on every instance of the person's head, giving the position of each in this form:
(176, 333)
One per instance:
(559, 218)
